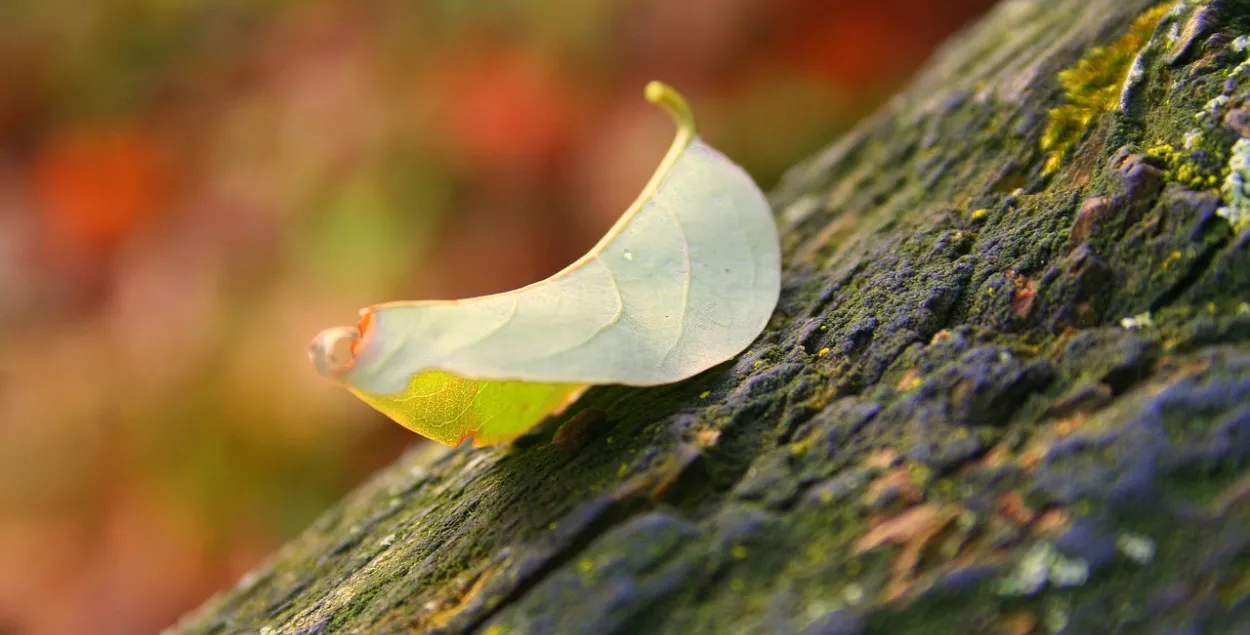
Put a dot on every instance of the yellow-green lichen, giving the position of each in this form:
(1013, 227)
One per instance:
(1181, 167)
(1164, 152)
(800, 448)
(586, 566)
(1092, 87)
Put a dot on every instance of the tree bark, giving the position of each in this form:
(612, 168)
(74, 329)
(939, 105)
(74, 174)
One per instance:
(1006, 390)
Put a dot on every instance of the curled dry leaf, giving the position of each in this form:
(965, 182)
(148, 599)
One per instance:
(685, 280)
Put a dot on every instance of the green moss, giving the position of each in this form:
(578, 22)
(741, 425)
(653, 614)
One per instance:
(1091, 87)
(919, 475)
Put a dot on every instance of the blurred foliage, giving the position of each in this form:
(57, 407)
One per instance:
(190, 189)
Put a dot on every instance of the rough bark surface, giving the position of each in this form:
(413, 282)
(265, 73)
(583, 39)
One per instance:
(949, 427)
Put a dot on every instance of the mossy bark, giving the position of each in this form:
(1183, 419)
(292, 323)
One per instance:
(949, 426)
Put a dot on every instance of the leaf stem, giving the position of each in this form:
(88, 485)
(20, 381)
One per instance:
(669, 99)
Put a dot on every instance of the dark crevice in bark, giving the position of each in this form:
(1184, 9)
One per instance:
(617, 513)
(1195, 271)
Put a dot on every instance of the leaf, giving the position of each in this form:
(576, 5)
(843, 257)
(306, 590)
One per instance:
(685, 280)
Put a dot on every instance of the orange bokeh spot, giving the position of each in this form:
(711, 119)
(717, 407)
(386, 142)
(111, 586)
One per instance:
(862, 45)
(95, 187)
(505, 107)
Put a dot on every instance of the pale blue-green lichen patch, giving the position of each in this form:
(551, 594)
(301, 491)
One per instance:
(1236, 190)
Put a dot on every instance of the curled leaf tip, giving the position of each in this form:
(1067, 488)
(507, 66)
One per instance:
(669, 99)
(334, 350)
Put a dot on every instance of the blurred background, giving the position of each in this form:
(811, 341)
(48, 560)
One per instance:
(191, 189)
